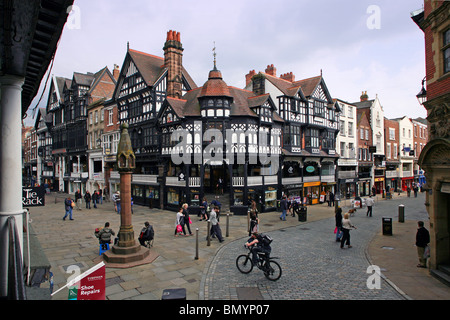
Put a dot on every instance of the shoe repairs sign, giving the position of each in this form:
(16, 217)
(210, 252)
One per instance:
(33, 196)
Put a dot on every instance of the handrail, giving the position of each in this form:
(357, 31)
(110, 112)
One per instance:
(16, 283)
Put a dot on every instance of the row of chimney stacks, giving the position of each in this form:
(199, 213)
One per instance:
(270, 70)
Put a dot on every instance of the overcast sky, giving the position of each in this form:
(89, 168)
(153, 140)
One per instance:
(360, 45)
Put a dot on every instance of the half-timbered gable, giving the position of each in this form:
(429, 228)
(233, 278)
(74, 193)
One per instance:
(309, 129)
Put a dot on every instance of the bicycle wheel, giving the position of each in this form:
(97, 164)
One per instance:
(244, 263)
(272, 270)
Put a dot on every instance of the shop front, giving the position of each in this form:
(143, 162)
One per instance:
(270, 198)
(407, 183)
(294, 192)
(364, 189)
(174, 198)
(311, 192)
(379, 184)
(347, 188)
(146, 195)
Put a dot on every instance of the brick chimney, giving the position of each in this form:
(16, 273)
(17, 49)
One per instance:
(173, 56)
(248, 77)
(116, 72)
(288, 76)
(271, 70)
(364, 96)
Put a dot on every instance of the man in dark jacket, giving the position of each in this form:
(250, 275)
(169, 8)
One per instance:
(422, 240)
(284, 208)
(147, 234)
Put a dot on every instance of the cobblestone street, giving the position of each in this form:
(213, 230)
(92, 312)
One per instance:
(314, 267)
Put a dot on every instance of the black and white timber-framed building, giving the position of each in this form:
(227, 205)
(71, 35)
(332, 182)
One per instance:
(186, 137)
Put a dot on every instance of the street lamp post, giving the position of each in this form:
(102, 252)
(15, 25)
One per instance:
(422, 95)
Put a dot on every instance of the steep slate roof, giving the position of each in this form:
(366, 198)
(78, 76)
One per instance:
(364, 104)
(152, 67)
(308, 85)
(304, 87)
(84, 79)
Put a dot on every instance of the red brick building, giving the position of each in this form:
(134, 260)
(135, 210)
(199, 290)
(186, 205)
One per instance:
(434, 21)
(364, 156)
(391, 147)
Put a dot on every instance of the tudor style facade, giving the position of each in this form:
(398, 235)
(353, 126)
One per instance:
(69, 130)
(143, 84)
(224, 128)
(310, 126)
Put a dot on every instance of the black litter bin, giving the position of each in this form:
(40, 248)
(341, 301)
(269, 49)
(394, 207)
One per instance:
(174, 294)
(302, 213)
(387, 226)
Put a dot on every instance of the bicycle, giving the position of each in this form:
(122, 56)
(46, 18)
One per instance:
(272, 269)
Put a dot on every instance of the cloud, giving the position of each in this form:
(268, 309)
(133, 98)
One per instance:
(295, 35)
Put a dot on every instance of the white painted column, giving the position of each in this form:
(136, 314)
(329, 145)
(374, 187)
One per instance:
(10, 167)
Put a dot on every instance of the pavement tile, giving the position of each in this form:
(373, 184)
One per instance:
(312, 261)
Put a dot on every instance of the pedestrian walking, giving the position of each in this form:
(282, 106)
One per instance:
(220, 186)
(254, 222)
(78, 198)
(100, 195)
(416, 189)
(331, 199)
(215, 227)
(187, 219)
(87, 198)
(369, 203)
(346, 227)
(68, 204)
(204, 210)
(284, 208)
(104, 235)
(179, 223)
(116, 200)
(338, 228)
(95, 199)
(422, 240)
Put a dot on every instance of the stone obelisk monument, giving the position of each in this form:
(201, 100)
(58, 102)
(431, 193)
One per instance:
(126, 253)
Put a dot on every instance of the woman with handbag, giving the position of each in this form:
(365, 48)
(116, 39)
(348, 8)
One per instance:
(179, 224)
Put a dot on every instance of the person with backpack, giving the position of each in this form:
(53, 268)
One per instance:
(68, 204)
(147, 234)
(104, 235)
(259, 243)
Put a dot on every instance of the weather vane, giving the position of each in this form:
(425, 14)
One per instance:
(214, 54)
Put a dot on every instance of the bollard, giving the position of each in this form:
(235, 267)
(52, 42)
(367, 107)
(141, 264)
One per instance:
(228, 223)
(196, 244)
(401, 213)
(208, 233)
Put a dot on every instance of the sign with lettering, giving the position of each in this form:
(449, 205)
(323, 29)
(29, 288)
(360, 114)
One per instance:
(33, 196)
